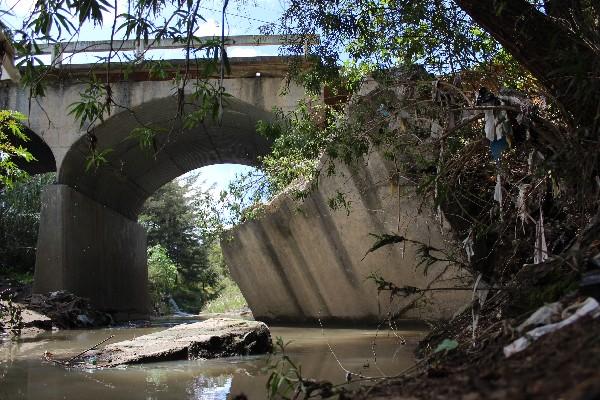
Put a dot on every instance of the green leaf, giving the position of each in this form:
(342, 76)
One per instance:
(384, 240)
(446, 345)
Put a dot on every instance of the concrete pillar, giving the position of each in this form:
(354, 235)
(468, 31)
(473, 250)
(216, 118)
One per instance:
(90, 250)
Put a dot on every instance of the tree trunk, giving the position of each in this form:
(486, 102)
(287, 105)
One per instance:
(564, 63)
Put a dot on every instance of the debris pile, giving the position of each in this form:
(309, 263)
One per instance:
(68, 311)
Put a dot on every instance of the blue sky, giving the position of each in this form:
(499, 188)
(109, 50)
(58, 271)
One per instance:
(243, 18)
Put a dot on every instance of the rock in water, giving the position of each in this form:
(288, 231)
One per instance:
(213, 338)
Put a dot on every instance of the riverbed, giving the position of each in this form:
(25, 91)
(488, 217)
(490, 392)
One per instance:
(25, 375)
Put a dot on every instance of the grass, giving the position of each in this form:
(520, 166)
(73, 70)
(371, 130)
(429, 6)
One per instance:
(230, 299)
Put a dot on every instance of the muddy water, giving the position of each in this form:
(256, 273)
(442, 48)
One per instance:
(23, 375)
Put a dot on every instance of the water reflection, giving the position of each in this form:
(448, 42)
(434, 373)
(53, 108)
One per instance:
(24, 375)
(210, 388)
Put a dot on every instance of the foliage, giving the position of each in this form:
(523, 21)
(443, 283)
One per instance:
(19, 221)
(11, 318)
(148, 23)
(11, 133)
(172, 220)
(286, 381)
(298, 140)
(240, 201)
(446, 345)
(162, 274)
(378, 35)
(284, 373)
(230, 298)
(216, 259)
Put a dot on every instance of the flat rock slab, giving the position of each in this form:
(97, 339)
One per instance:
(29, 319)
(213, 338)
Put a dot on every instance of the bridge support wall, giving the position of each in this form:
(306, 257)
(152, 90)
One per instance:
(301, 260)
(92, 251)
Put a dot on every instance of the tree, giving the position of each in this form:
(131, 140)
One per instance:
(172, 222)
(557, 41)
(12, 131)
(567, 63)
(162, 275)
(19, 222)
(547, 49)
(147, 23)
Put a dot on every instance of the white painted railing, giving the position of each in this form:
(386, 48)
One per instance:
(58, 50)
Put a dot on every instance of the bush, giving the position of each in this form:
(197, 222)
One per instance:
(162, 275)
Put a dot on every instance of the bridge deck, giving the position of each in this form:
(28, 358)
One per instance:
(240, 67)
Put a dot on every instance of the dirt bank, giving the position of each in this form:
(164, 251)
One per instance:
(561, 365)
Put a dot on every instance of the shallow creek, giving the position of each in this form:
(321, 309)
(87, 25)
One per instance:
(24, 375)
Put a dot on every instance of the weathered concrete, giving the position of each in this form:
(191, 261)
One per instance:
(213, 338)
(50, 120)
(302, 260)
(96, 251)
(88, 249)
(290, 265)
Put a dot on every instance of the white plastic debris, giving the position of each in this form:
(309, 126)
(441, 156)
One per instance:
(588, 307)
(540, 251)
(480, 293)
(468, 246)
(498, 190)
(503, 126)
(436, 129)
(543, 316)
(490, 125)
(524, 189)
(85, 320)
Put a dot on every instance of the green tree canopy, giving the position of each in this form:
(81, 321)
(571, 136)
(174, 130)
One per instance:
(172, 222)
(556, 41)
(19, 221)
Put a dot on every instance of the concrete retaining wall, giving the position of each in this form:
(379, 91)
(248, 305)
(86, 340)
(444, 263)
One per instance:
(302, 260)
(92, 251)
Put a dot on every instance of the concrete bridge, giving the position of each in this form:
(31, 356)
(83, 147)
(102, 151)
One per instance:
(89, 240)
(295, 263)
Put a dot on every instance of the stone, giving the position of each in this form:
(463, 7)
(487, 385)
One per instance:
(213, 338)
(33, 319)
(29, 318)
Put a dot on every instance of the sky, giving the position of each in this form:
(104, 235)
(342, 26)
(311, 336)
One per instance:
(242, 19)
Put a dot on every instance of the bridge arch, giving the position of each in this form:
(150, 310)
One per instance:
(89, 241)
(132, 173)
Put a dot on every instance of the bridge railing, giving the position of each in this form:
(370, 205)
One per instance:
(57, 51)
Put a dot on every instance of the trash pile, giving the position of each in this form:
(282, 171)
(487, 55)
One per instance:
(530, 239)
(68, 311)
(543, 320)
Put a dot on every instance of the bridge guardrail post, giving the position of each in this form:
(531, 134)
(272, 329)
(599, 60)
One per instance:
(56, 57)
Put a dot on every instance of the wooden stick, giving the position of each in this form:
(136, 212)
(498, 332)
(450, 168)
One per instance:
(91, 348)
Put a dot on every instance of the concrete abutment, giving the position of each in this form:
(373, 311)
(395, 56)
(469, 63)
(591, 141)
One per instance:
(301, 261)
(89, 249)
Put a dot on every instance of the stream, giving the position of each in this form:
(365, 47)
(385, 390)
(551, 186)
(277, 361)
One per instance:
(24, 375)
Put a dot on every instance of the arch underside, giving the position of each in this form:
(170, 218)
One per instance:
(44, 158)
(132, 174)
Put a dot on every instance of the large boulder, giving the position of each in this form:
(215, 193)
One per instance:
(213, 338)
